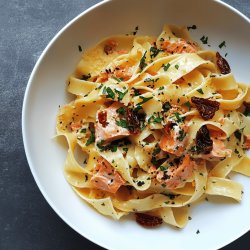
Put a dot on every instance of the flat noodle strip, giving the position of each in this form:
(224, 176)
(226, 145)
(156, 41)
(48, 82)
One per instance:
(156, 123)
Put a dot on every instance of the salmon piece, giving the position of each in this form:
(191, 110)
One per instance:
(123, 72)
(219, 150)
(122, 51)
(106, 178)
(110, 131)
(75, 126)
(247, 142)
(174, 139)
(179, 46)
(175, 176)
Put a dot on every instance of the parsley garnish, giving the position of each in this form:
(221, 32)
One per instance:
(178, 117)
(122, 123)
(83, 130)
(162, 168)
(166, 106)
(144, 99)
(182, 135)
(200, 91)
(121, 111)
(121, 94)
(166, 66)
(204, 39)
(118, 79)
(143, 64)
(154, 52)
(223, 44)
(161, 88)
(188, 104)
(176, 66)
(91, 139)
(109, 92)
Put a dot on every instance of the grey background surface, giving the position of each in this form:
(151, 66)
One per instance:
(26, 220)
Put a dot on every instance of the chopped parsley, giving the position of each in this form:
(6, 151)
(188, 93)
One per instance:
(166, 106)
(108, 92)
(91, 139)
(188, 104)
(162, 168)
(223, 44)
(154, 52)
(122, 123)
(151, 80)
(83, 130)
(166, 66)
(143, 64)
(200, 91)
(118, 79)
(161, 88)
(144, 99)
(176, 66)
(121, 111)
(178, 117)
(182, 135)
(121, 94)
(204, 39)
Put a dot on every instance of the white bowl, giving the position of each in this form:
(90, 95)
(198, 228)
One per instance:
(219, 223)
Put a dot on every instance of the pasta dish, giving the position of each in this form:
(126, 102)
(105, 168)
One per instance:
(157, 124)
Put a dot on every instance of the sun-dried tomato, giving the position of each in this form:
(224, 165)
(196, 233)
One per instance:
(134, 120)
(102, 118)
(222, 64)
(147, 220)
(206, 107)
(204, 144)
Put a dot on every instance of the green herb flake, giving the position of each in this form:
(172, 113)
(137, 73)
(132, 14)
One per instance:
(182, 135)
(161, 88)
(176, 66)
(200, 91)
(144, 99)
(122, 123)
(166, 66)
(178, 117)
(109, 92)
(223, 44)
(162, 168)
(188, 104)
(204, 39)
(118, 79)
(83, 130)
(143, 64)
(154, 52)
(121, 111)
(91, 139)
(121, 94)
(166, 106)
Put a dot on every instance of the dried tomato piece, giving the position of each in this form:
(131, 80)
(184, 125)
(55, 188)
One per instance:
(222, 64)
(147, 220)
(134, 120)
(206, 107)
(102, 118)
(204, 144)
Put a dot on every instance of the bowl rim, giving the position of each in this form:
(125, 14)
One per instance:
(25, 105)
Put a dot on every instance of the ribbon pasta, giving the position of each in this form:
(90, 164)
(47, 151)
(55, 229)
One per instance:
(155, 125)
